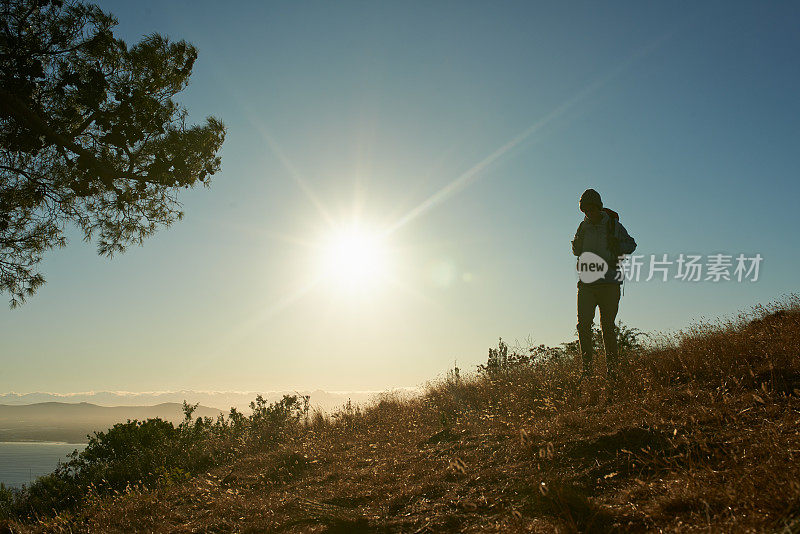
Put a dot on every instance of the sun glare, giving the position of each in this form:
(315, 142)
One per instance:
(354, 259)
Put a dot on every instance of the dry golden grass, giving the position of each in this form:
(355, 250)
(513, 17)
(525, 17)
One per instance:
(700, 433)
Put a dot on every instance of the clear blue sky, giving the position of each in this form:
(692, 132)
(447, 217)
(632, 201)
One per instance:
(471, 127)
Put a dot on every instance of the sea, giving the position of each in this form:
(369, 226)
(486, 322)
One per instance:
(21, 462)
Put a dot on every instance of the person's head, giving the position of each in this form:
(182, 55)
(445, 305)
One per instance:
(591, 204)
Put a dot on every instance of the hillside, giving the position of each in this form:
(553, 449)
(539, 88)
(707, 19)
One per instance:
(701, 432)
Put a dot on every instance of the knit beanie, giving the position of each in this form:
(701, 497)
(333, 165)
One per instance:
(590, 196)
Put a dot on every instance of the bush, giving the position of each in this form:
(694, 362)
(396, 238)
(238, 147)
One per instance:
(271, 423)
(153, 452)
(500, 362)
(6, 501)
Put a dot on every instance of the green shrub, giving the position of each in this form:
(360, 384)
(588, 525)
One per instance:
(153, 452)
(500, 362)
(6, 501)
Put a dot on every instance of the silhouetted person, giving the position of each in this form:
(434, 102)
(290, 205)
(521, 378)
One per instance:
(600, 232)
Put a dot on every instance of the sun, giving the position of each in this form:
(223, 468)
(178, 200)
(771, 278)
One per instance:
(354, 259)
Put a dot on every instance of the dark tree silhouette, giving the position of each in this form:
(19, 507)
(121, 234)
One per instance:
(89, 135)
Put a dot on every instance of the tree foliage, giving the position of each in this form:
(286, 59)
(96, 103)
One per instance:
(89, 135)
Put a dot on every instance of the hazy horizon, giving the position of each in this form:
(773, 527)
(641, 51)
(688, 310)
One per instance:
(222, 400)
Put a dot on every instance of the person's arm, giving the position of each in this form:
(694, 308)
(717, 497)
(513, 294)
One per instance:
(626, 243)
(577, 242)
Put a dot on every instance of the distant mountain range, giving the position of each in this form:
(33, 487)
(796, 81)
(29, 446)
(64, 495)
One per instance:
(70, 417)
(224, 400)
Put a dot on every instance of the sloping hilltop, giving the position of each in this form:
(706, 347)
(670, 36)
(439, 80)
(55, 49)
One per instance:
(700, 432)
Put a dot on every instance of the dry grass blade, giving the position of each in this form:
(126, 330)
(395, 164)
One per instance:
(331, 515)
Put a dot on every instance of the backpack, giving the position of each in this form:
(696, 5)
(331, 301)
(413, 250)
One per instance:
(612, 240)
(611, 234)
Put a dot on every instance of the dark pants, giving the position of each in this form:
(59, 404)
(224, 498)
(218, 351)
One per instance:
(606, 297)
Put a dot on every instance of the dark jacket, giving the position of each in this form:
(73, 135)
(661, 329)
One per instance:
(594, 238)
